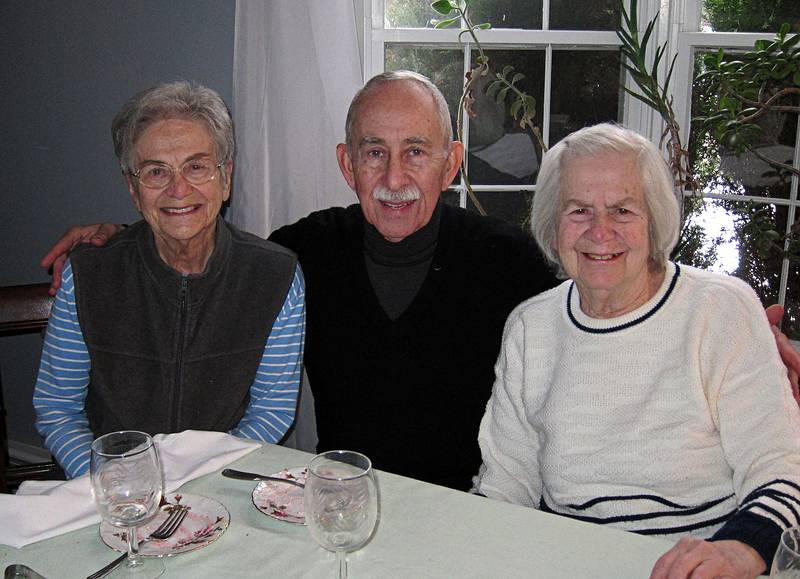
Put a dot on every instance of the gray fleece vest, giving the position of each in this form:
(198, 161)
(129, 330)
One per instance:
(171, 352)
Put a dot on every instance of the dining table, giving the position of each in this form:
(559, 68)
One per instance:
(423, 530)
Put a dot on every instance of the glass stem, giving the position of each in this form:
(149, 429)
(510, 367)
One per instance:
(341, 560)
(133, 547)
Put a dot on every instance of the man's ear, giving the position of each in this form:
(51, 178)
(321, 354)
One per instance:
(227, 173)
(453, 163)
(134, 192)
(346, 165)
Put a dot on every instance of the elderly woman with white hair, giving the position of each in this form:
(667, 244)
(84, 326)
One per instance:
(640, 393)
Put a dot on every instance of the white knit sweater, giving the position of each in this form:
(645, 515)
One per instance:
(672, 419)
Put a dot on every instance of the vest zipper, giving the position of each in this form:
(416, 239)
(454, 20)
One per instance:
(176, 390)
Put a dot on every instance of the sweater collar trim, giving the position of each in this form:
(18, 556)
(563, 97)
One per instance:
(637, 316)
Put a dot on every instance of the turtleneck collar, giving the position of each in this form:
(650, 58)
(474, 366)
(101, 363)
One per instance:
(414, 249)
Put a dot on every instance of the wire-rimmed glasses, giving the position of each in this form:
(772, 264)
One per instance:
(155, 175)
(341, 503)
(127, 485)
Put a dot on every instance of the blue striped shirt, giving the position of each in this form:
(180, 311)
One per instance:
(61, 385)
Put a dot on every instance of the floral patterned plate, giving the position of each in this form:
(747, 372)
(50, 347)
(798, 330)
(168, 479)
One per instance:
(206, 521)
(281, 501)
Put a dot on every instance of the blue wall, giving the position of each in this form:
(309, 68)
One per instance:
(65, 70)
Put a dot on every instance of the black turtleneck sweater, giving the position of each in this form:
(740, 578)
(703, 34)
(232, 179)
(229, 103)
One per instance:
(397, 269)
(408, 388)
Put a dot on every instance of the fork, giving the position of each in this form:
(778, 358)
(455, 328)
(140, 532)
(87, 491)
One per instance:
(164, 531)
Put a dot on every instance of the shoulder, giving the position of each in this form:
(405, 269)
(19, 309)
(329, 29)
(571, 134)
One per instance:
(715, 288)
(543, 305)
(244, 241)
(124, 241)
(319, 226)
(495, 248)
(480, 229)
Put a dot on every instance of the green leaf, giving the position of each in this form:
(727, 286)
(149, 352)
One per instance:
(501, 96)
(517, 76)
(506, 70)
(515, 107)
(493, 87)
(483, 26)
(442, 7)
(445, 23)
(796, 77)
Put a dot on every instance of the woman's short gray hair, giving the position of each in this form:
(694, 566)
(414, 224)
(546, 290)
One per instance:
(660, 199)
(393, 76)
(173, 100)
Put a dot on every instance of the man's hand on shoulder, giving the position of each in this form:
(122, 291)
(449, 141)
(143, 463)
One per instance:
(96, 234)
(790, 356)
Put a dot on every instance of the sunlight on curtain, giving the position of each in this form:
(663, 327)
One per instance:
(296, 67)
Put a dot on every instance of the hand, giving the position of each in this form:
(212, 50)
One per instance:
(693, 558)
(790, 356)
(96, 234)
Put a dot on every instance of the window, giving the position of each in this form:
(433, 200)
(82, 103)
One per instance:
(569, 53)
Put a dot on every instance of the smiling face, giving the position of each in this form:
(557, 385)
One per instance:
(182, 216)
(399, 163)
(602, 239)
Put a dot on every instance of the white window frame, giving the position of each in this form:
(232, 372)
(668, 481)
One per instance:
(678, 27)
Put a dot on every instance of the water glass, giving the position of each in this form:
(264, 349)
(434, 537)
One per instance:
(127, 484)
(786, 563)
(341, 503)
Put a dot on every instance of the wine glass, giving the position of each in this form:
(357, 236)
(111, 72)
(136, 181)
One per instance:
(786, 562)
(127, 485)
(341, 503)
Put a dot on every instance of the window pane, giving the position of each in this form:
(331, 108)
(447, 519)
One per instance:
(791, 321)
(500, 152)
(511, 206)
(585, 90)
(445, 67)
(722, 170)
(584, 14)
(722, 235)
(409, 14)
(507, 13)
(750, 15)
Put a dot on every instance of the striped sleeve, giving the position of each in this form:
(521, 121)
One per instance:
(61, 385)
(273, 394)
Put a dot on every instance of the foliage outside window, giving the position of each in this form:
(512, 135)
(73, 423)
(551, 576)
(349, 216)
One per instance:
(569, 54)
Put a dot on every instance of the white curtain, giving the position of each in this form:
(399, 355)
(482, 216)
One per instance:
(296, 68)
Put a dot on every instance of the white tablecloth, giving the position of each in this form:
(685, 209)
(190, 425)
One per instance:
(423, 531)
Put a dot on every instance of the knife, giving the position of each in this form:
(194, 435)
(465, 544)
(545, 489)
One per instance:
(241, 475)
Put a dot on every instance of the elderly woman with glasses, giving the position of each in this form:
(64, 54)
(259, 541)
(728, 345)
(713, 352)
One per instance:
(181, 321)
(641, 393)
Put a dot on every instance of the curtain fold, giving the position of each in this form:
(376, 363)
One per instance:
(296, 67)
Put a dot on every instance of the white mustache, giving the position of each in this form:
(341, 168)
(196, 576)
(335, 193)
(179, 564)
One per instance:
(402, 195)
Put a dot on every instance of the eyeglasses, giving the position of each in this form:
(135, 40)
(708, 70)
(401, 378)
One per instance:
(161, 175)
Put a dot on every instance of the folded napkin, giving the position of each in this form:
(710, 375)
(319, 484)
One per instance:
(44, 509)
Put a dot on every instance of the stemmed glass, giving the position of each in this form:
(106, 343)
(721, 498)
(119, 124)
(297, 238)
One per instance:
(341, 503)
(127, 485)
(786, 562)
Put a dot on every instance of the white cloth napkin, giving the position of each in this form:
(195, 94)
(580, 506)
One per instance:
(44, 509)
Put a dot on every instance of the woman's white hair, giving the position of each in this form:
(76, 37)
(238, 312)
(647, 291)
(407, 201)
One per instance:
(662, 204)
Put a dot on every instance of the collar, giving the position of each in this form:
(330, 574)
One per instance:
(637, 316)
(168, 278)
(414, 249)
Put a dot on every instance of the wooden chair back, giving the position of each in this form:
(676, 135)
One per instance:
(23, 309)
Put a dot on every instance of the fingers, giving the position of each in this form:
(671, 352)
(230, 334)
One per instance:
(696, 559)
(775, 314)
(58, 266)
(96, 234)
(673, 559)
